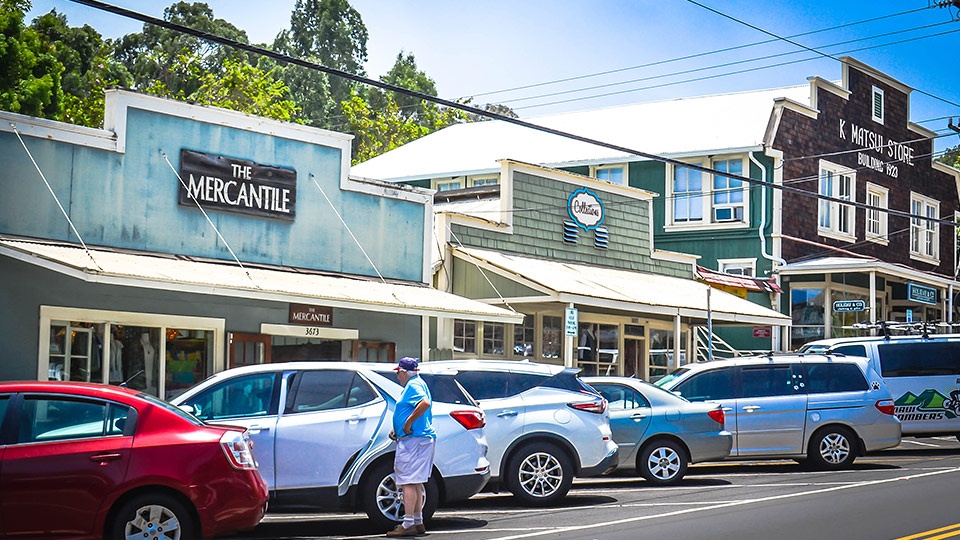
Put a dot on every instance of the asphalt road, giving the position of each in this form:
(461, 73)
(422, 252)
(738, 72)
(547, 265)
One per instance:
(907, 492)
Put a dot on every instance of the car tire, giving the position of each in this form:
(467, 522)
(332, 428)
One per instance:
(539, 474)
(382, 499)
(662, 462)
(151, 515)
(833, 447)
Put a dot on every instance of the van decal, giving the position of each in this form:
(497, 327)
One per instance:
(929, 405)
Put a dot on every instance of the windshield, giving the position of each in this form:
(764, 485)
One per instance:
(664, 382)
(812, 348)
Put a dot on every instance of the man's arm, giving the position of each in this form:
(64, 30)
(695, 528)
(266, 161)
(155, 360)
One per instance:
(418, 411)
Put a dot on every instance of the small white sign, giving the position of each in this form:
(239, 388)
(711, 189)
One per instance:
(572, 321)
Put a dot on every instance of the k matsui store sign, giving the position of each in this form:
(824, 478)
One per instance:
(237, 185)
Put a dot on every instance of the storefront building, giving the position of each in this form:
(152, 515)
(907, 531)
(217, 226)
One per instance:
(890, 253)
(181, 240)
(575, 255)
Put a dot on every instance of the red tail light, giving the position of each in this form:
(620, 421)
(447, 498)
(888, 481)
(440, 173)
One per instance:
(885, 406)
(718, 416)
(594, 406)
(469, 419)
(239, 450)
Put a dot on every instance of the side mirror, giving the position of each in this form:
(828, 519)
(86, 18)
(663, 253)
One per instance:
(188, 408)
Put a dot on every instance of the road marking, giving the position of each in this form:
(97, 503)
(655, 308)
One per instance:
(726, 505)
(954, 531)
(918, 443)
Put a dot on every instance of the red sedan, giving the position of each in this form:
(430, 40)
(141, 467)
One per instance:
(84, 460)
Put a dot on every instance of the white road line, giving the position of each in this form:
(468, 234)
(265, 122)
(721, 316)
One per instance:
(918, 443)
(724, 505)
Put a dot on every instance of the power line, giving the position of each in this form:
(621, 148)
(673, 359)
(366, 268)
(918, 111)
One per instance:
(473, 110)
(692, 56)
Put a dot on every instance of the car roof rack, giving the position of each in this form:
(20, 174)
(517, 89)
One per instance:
(922, 328)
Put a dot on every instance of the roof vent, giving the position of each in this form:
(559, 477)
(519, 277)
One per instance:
(601, 238)
(570, 234)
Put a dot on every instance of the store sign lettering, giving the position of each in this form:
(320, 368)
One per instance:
(891, 153)
(585, 209)
(237, 185)
(311, 315)
(919, 293)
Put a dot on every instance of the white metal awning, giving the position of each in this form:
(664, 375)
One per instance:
(226, 278)
(609, 288)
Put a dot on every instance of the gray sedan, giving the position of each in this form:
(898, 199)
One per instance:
(660, 433)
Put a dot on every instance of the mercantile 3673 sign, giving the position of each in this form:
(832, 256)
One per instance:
(237, 185)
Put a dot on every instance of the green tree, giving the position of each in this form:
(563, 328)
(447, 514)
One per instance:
(405, 74)
(155, 56)
(88, 68)
(330, 33)
(951, 157)
(30, 75)
(248, 89)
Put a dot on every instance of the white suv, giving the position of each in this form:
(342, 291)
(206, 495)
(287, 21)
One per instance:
(544, 426)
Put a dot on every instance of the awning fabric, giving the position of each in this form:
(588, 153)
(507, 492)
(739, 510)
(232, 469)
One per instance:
(635, 292)
(226, 278)
(739, 282)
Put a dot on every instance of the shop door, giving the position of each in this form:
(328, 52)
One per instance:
(248, 349)
(633, 358)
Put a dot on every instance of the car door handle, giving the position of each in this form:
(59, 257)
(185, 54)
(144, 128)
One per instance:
(638, 416)
(254, 429)
(751, 408)
(355, 419)
(726, 409)
(503, 414)
(103, 459)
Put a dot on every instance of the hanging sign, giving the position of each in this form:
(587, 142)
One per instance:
(849, 305)
(922, 294)
(585, 209)
(237, 185)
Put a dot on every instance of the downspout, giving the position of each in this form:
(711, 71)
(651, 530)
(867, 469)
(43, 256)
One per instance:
(763, 215)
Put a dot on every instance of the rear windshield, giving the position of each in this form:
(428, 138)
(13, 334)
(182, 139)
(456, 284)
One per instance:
(919, 359)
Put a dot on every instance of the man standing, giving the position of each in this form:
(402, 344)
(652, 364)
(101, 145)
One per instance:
(413, 431)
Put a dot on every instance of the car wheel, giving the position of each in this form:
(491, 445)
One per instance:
(539, 474)
(662, 462)
(154, 515)
(382, 498)
(832, 448)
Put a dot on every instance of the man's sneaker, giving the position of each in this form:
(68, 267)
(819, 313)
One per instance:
(421, 529)
(401, 532)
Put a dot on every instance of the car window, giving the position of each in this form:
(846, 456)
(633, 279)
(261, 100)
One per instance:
(766, 381)
(620, 397)
(919, 359)
(44, 418)
(3, 408)
(445, 389)
(324, 390)
(485, 384)
(709, 385)
(521, 382)
(850, 350)
(835, 378)
(245, 396)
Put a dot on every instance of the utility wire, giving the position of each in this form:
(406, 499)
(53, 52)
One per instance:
(469, 109)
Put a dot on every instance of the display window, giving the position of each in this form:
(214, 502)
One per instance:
(160, 354)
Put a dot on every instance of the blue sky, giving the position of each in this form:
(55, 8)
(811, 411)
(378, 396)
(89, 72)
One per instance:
(484, 47)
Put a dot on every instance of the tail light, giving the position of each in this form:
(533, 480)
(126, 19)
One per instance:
(470, 419)
(885, 406)
(718, 415)
(597, 406)
(239, 450)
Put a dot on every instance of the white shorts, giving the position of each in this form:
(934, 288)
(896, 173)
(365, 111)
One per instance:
(413, 462)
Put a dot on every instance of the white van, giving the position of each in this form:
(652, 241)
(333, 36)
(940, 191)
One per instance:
(921, 372)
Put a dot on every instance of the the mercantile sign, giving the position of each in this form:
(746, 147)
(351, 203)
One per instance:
(237, 185)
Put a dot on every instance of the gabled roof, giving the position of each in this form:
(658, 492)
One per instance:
(684, 126)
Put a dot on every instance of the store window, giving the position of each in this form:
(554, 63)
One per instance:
(840, 321)
(159, 354)
(494, 339)
(662, 353)
(598, 349)
(807, 313)
(876, 213)
(552, 338)
(523, 338)
(464, 336)
(924, 229)
(835, 219)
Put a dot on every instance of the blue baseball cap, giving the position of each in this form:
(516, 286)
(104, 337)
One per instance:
(407, 364)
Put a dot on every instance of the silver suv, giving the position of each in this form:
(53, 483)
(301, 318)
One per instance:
(544, 426)
(819, 407)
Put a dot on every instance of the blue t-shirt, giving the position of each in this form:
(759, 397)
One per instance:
(415, 391)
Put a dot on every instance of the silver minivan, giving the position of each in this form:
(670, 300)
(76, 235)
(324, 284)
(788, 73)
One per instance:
(922, 373)
(828, 409)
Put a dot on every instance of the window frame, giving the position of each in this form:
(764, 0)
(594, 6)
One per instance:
(930, 231)
(705, 212)
(877, 101)
(724, 265)
(839, 216)
(461, 336)
(595, 171)
(881, 236)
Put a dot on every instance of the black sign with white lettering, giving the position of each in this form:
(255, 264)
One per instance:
(237, 185)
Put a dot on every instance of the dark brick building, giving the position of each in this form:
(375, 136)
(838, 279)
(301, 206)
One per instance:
(874, 239)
